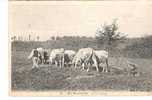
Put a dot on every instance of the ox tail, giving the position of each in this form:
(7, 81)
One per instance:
(31, 54)
(107, 62)
(107, 65)
(73, 60)
(89, 58)
(63, 60)
(95, 60)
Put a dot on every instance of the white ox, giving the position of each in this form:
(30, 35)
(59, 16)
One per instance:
(68, 56)
(102, 56)
(41, 54)
(84, 56)
(57, 57)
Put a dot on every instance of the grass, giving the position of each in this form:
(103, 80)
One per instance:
(54, 78)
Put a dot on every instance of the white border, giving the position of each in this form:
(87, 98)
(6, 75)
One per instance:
(3, 49)
(4, 64)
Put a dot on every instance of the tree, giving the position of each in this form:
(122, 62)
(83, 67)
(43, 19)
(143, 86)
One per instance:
(37, 38)
(52, 38)
(29, 37)
(13, 38)
(109, 36)
(57, 38)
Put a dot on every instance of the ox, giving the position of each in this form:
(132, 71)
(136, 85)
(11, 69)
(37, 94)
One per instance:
(68, 56)
(57, 57)
(84, 56)
(102, 58)
(43, 55)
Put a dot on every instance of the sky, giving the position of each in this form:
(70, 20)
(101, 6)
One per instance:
(78, 18)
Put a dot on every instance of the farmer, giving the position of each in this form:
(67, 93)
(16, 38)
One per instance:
(34, 55)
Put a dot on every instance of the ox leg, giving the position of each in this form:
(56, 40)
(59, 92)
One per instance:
(88, 65)
(102, 66)
(62, 61)
(42, 61)
(83, 65)
(56, 63)
(49, 62)
(60, 64)
(97, 67)
(96, 63)
(88, 68)
(75, 64)
(107, 66)
(103, 69)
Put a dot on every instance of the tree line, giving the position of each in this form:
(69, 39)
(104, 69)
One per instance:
(107, 37)
(21, 38)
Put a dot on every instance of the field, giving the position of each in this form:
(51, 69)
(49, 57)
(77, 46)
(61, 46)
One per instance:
(23, 77)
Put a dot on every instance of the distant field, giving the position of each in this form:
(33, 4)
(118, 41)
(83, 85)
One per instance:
(54, 78)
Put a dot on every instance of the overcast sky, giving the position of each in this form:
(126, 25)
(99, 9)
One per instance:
(78, 18)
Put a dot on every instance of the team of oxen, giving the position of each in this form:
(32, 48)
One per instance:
(84, 57)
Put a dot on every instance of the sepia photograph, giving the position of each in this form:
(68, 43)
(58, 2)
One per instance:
(80, 48)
